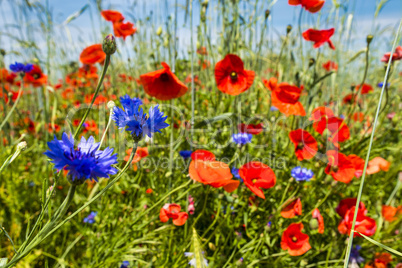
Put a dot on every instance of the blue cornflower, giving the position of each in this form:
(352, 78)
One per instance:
(193, 261)
(91, 217)
(355, 256)
(85, 162)
(133, 119)
(185, 154)
(235, 173)
(302, 174)
(381, 84)
(273, 109)
(125, 264)
(242, 138)
(18, 67)
(126, 100)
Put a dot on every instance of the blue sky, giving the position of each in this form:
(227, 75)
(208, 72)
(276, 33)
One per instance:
(82, 30)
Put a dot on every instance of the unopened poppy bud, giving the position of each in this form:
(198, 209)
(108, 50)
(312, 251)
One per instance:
(22, 146)
(111, 104)
(352, 87)
(211, 246)
(288, 29)
(159, 31)
(369, 39)
(311, 62)
(313, 224)
(267, 12)
(2, 52)
(109, 44)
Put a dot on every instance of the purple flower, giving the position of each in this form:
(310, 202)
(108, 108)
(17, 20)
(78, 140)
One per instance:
(18, 67)
(235, 172)
(185, 154)
(84, 162)
(302, 174)
(242, 138)
(355, 256)
(91, 217)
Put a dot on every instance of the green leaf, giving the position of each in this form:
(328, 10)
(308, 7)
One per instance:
(393, 251)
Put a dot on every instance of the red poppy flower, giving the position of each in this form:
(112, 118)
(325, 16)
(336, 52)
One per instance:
(124, 29)
(293, 240)
(347, 204)
(163, 84)
(149, 191)
(3, 75)
(338, 130)
(382, 260)
(305, 144)
(364, 224)
(286, 98)
(389, 213)
(99, 99)
(111, 15)
(358, 164)
(320, 112)
(231, 77)
(93, 54)
(293, 209)
(202, 51)
(330, 66)
(53, 128)
(271, 84)
(317, 215)
(35, 77)
(396, 56)
(358, 117)
(339, 167)
(141, 153)
(319, 37)
(312, 6)
(90, 125)
(251, 128)
(366, 88)
(205, 169)
(172, 211)
(257, 175)
(349, 99)
(377, 164)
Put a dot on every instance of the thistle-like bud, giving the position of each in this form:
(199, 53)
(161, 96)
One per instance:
(369, 39)
(288, 29)
(109, 44)
(75, 182)
(111, 105)
(311, 62)
(136, 138)
(267, 13)
(22, 146)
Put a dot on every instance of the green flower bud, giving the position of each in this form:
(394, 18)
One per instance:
(159, 31)
(109, 44)
(267, 13)
(311, 62)
(369, 39)
(288, 29)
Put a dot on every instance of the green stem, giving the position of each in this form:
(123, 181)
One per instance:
(352, 231)
(14, 105)
(106, 64)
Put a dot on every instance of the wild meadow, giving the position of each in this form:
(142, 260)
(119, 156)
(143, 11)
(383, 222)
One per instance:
(199, 134)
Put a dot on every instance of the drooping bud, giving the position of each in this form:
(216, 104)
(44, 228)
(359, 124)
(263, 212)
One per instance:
(369, 39)
(109, 44)
(311, 62)
(288, 29)
(267, 13)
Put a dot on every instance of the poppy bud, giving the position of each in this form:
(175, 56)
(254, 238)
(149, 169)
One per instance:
(288, 29)
(352, 87)
(2, 52)
(211, 246)
(311, 62)
(111, 104)
(369, 39)
(267, 12)
(109, 44)
(313, 224)
(159, 31)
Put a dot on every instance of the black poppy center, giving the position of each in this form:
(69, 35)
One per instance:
(300, 145)
(233, 75)
(164, 77)
(35, 76)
